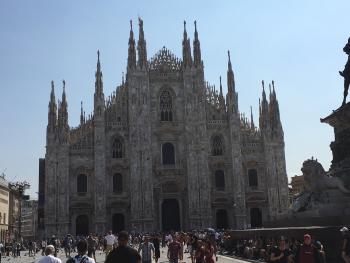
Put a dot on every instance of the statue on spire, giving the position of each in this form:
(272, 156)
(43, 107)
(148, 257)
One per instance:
(346, 72)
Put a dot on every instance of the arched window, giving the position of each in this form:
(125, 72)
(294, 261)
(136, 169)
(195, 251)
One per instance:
(220, 180)
(117, 183)
(217, 146)
(168, 153)
(253, 177)
(82, 184)
(166, 106)
(117, 148)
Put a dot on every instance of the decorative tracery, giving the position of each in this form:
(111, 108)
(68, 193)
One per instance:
(117, 148)
(164, 60)
(217, 147)
(166, 106)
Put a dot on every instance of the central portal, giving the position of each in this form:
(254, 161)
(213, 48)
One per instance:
(170, 215)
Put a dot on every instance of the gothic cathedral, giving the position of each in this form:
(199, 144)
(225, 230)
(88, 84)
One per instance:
(165, 151)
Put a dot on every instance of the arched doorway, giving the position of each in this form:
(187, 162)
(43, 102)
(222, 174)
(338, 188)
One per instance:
(255, 217)
(170, 215)
(82, 225)
(118, 223)
(221, 219)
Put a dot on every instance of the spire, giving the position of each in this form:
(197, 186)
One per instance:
(52, 114)
(273, 91)
(230, 75)
(220, 87)
(274, 109)
(252, 126)
(186, 49)
(63, 109)
(98, 76)
(131, 50)
(196, 48)
(264, 113)
(263, 92)
(123, 81)
(52, 95)
(64, 99)
(141, 47)
(82, 113)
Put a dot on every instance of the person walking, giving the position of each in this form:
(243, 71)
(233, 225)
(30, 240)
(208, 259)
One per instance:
(307, 252)
(174, 249)
(147, 249)
(156, 244)
(82, 247)
(92, 244)
(49, 258)
(110, 240)
(281, 254)
(123, 253)
(345, 249)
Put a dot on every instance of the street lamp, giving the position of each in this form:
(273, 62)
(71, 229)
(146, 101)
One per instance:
(19, 187)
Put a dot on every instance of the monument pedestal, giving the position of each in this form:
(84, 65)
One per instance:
(340, 121)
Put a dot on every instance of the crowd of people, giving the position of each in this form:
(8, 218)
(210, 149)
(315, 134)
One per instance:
(197, 246)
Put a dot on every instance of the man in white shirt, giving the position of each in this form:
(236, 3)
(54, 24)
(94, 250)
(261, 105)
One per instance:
(49, 258)
(110, 240)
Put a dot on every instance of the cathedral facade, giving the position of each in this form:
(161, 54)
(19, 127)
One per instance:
(165, 150)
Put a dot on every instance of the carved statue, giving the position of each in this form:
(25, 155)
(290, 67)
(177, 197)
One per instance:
(346, 72)
(317, 180)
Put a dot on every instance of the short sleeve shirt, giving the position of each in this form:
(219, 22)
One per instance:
(49, 259)
(277, 252)
(123, 254)
(174, 249)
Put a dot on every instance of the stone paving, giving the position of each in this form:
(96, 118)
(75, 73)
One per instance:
(100, 256)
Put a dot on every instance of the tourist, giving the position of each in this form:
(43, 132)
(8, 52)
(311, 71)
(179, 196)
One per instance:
(68, 242)
(200, 252)
(321, 251)
(281, 254)
(146, 249)
(43, 246)
(208, 252)
(307, 252)
(110, 240)
(92, 244)
(82, 247)
(49, 258)
(156, 244)
(174, 249)
(1, 250)
(123, 253)
(18, 249)
(345, 250)
(193, 247)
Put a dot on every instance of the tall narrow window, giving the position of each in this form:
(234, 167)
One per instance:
(253, 177)
(217, 146)
(117, 148)
(168, 153)
(82, 184)
(166, 106)
(220, 180)
(117, 183)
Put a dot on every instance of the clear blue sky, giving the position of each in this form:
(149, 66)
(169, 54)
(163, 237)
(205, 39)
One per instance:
(296, 43)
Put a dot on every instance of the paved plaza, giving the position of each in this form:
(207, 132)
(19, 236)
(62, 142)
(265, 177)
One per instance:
(100, 256)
